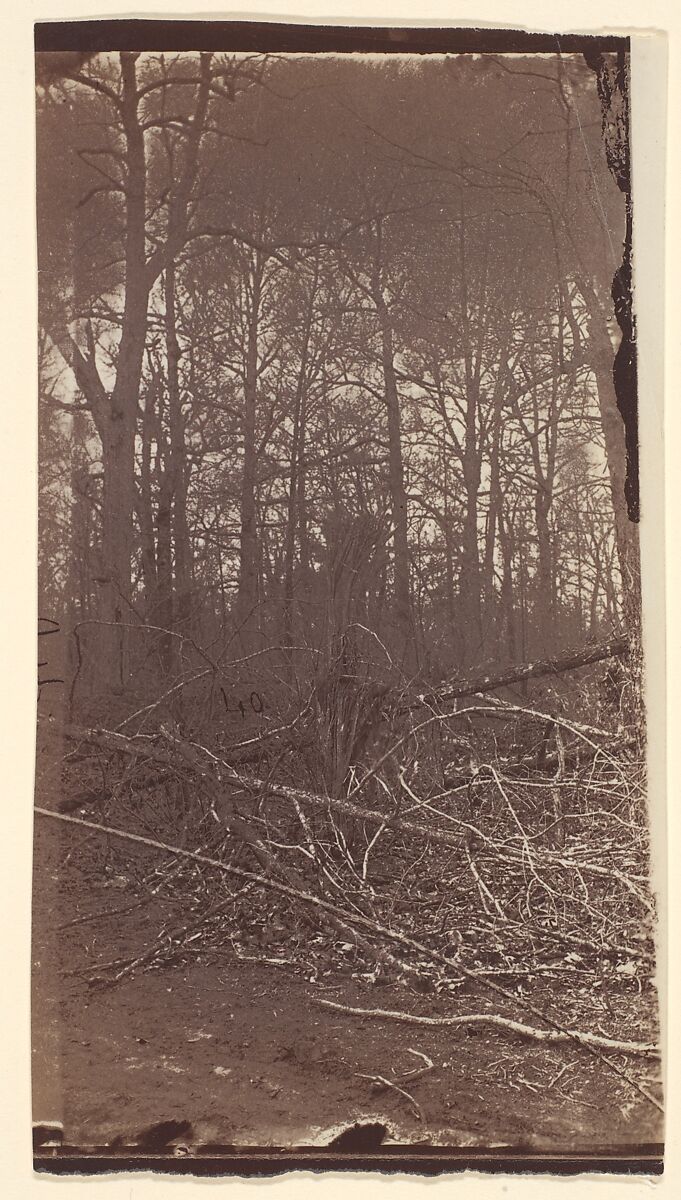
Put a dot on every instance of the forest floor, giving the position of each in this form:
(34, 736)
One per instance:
(242, 1051)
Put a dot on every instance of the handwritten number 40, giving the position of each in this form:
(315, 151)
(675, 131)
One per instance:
(255, 701)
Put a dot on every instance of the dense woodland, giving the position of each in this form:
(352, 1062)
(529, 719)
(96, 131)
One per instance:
(307, 304)
(329, 441)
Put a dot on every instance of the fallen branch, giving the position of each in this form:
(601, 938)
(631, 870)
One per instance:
(106, 913)
(381, 1081)
(613, 648)
(143, 748)
(266, 734)
(524, 1031)
(417, 1072)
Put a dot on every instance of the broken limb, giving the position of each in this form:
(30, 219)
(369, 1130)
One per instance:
(557, 1035)
(613, 648)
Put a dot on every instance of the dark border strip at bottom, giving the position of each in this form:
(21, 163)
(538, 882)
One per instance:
(421, 1160)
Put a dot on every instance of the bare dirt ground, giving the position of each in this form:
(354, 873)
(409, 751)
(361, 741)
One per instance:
(242, 1051)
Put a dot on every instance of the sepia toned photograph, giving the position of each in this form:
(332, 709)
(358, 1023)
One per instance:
(342, 826)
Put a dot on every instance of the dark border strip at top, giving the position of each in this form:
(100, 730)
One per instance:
(275, 37)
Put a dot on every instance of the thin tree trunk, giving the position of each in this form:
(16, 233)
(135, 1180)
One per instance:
(145, 509)
(470, 585)
(295, 502)
(164, 609)
(247, 598)
(398, 495)
(580, 577)
(448, 548)
(80, 541)
(471, 579)
(545, 590)
(493, 520)
(507, 606)
(178, 459)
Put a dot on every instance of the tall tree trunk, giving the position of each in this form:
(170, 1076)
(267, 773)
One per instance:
(118, 499)
(545, 581)
(493, 519)
(295, 502)
(620, 424)
(579, 565)
(79, 584)
(247, 597)
(398, 495)
(145, 502)
(507, 605)
(119, 439)
(544, 478)
(470, 584)
(450, 599)
(595, 596)
(164, 614)
(178, 460)
(626, 531)
(471, 578)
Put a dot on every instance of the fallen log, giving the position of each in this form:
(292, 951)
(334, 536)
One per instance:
(493, 1019)
(613, 648)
